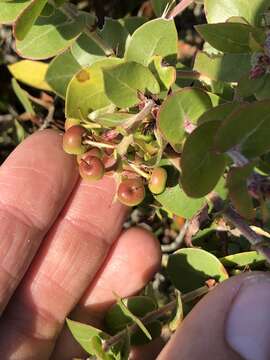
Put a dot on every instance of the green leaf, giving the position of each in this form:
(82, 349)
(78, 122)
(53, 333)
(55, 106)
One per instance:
(218, 113)
(156, 37)
(22, 96)
(179, 313)
(10, 10)
(248, 128)
(86, 51)
(115, 34)
(220, 11)
(31, 73)
(27, 18)
(238, 192)
(259, 87)
(123, 82)
(113, 120)
(201, 167)
(182, 106)
(230, 37)
(222, 67)
(189, 268)
(60, 72)
(165, 75)
(159, 6)
(249, 258)
(20, 132)
(97, 350)
(175, 200)
(50, 35)
(128, 311)
(85, 92)
(83, 334)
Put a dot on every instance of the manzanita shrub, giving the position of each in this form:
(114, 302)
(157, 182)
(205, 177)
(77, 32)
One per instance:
(191, 143)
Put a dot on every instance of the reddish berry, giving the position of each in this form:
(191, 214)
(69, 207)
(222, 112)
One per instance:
(158, 180)
(179, 221)
(131, 192)
(91, 168)
(72, 140)
(71, 122)
(96, 152)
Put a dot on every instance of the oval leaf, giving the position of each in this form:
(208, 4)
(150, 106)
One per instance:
(123, 82)
(190, 268)
(86, 92)
(10, 10)
(31, 73)
(60, 72)
(50, 35)
(183, 106)
(201, 167)
(174, 200)
(248, 128)
(156, 37)
(27, 18)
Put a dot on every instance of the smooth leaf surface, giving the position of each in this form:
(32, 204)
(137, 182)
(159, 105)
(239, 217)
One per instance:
(60, 72)
(50, 35)
(123, 82)
(86, 51)
(230, 37)
(218, 113)
(237, 184)
(259, 87)
(83, 334)
(201, 167)
(175, 200)
(156, 37)
(222, 10)
(159, 6)
(86, 92)
(223, 66)
(27, 18)
(113, 120)
(166, 75)
(22, 96)
(248, 258)
(183, 106)
(31, 73)
(248, 128)
(10, 10)
(189, 268)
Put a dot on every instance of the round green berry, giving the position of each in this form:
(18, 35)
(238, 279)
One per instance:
(72, 140)
(158, 180)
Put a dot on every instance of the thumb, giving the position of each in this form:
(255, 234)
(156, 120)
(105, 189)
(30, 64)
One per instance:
(232, 322)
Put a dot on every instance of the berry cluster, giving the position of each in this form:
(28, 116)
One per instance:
(111, 152)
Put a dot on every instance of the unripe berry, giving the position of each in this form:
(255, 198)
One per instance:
(131, 192)
(72, 140)
(96, 152)
(158, 180)
(91, 168)
(71, 122)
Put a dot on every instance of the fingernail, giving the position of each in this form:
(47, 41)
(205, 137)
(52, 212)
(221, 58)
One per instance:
(248, 322)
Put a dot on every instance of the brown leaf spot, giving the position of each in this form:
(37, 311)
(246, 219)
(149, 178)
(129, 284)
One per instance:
(82, 76)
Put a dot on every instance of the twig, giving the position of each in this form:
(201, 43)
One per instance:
(6, 118)
(154, 315)
(238, 158)
(98, 144)
(49, 118)
(178, 9)
(178, 241)
(132, 123)
(229, 214)
(72, 13)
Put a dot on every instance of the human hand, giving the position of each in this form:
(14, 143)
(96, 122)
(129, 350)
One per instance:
(83, 259)
(61, 248)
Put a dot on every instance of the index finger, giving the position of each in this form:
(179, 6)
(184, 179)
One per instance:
(35, 182)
